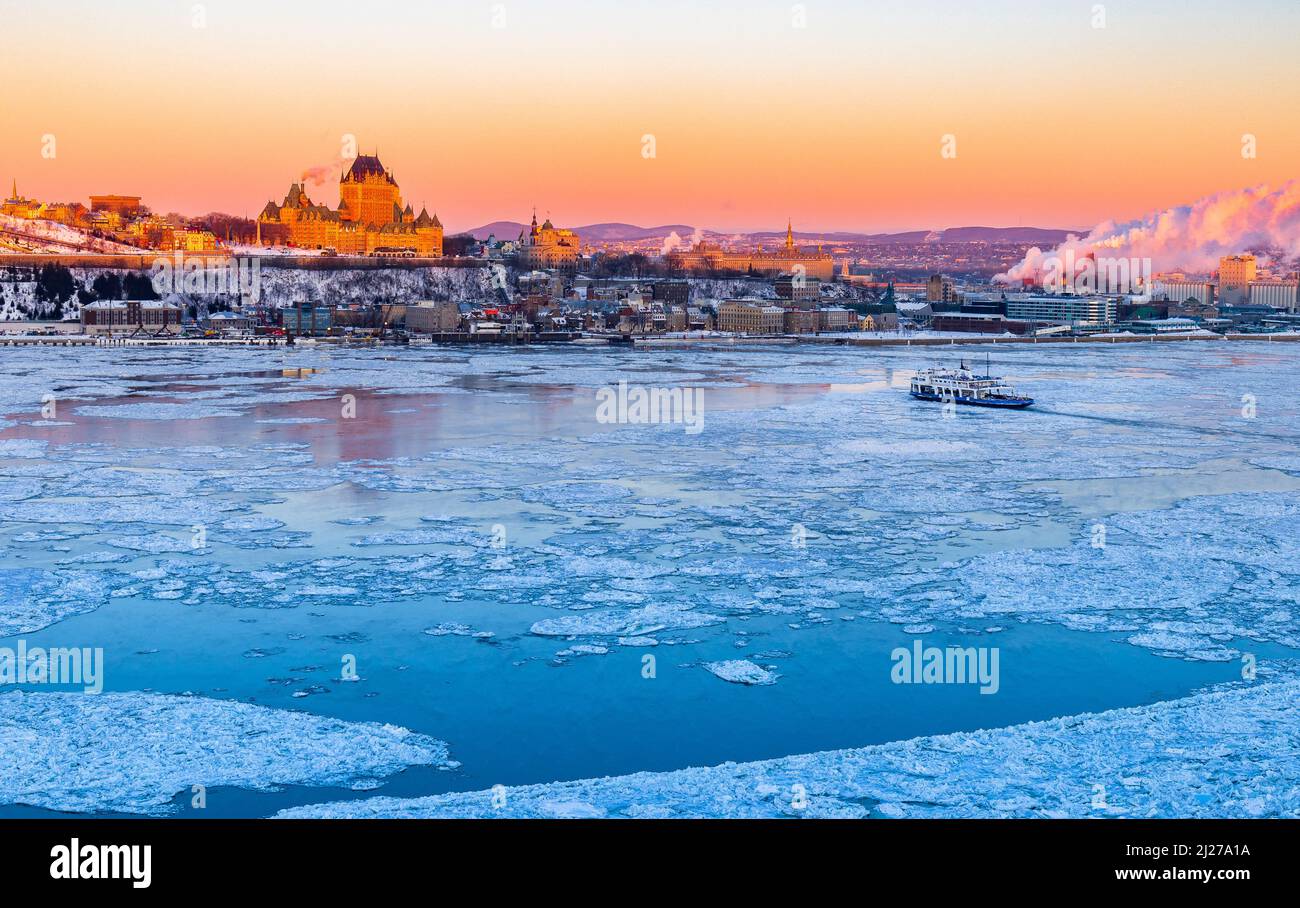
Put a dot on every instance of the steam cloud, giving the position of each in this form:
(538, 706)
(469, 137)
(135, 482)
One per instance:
(1188, 238)
(674, 241)
(318, 176)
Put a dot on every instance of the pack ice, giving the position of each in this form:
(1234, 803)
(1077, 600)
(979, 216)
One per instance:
(132, 752)
(1230, 752)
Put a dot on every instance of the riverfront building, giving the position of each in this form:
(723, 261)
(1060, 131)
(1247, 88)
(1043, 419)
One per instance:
(1063, 309)
(131, 317)
(750, 317)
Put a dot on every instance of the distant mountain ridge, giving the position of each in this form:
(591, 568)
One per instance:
(1044, 235)
(616, 232)
(604, 233)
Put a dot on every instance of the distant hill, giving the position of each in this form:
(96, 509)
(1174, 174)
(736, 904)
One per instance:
(615, 232)
(1005, 235)
(600, 233)
(502, 230)
(1040, 235)
(605, 233)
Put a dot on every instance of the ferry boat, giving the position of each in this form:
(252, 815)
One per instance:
(963, 386)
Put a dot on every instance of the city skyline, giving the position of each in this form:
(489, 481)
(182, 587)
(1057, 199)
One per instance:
(837, 117)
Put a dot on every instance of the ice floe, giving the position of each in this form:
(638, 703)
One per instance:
(741, 671)
(133, 752)
(1232, 752)
(32, 599)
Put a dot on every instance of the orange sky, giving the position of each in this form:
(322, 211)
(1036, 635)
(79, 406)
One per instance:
(837, 124)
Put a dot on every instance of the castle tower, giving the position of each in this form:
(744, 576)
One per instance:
(369, 193)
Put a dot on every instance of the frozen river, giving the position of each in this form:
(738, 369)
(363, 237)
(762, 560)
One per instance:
(331, 575)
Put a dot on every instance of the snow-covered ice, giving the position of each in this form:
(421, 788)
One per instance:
(741, 671)
(132, 752)
(1222, 753)
(184, 492)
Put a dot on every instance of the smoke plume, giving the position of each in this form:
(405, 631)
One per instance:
(1190, 238)
(671, 242)
(319, 176)
(675, 241)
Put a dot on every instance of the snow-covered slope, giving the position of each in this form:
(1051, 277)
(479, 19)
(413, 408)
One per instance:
(20, 235)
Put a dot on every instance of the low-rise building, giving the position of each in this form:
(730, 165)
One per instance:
(128, 206)
(836, 318)
(801, 321)
(677, 317)
(127, 317)
(698, 319)
(1162, 325)
(798, 290)
(917, 312)
(230, 322)
(976, 323)
(433, 317)
(74, 214)
(879, 317)
(307, 318)
(750, 317)
(187, 240)
(672, 292)
(19, 206)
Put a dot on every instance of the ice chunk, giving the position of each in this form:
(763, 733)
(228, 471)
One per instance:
(742, 671)
(33, 599)
(630, 623)
(132, 752)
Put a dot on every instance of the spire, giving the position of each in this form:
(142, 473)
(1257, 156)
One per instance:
(15, 195)
(789, 234)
